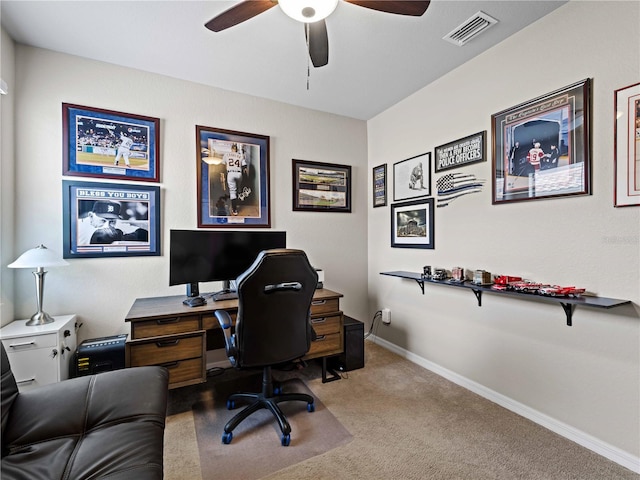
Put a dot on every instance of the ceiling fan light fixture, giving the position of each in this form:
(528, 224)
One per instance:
(308, 11)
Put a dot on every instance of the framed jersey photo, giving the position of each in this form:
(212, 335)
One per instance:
(233, 179)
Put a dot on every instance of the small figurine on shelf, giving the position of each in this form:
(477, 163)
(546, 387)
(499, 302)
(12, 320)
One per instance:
(426, 271)
(457, 275)
(502, 282)
(482, 277)
(439, 274)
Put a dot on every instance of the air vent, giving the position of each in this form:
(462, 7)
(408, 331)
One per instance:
(469, 29)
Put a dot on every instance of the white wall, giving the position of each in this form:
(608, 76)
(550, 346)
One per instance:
(586, 376)
(101, 291)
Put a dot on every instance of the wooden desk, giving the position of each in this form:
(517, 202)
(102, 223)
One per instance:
(167, 333)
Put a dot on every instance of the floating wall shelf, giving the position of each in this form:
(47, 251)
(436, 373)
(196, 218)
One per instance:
(568, 303)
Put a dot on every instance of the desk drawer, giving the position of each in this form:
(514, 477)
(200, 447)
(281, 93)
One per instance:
(185, 371)
(326, 325)
(164, 326)
(161, 350)
(330, 305)
(325, 344)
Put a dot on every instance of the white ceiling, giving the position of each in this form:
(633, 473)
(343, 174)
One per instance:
(375, 59)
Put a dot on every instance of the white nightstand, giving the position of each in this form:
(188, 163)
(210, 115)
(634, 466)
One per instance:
(40, 354)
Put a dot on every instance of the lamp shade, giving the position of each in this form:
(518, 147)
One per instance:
(40, 256)
(308, 11)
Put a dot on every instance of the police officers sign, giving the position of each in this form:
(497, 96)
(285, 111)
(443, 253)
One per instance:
(467, 150)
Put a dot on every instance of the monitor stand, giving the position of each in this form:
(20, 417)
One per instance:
(224, 294)
(193, 290)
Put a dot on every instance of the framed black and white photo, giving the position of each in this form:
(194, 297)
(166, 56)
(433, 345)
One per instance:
(380, 185)
(627, 146)
(465, 151)
(321, 187)
(412, 224)
(108, 144)
(412, 177)
(110, 220)
(541, 148)
(233, 178)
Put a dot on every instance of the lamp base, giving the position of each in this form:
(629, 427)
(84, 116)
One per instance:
(40, 318)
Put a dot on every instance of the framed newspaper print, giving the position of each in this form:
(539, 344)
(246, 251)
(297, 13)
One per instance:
(321, 187)
(412, 177)
(110, 219)
(232, 179)
(412, 224)
(627, 146)
(108, 144)
(541, 148)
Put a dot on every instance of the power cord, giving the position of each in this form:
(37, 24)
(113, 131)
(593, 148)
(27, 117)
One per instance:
(374, 326)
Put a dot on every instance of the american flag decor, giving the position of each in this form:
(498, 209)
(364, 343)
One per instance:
(455, 185)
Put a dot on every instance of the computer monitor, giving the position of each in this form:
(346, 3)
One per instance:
(217, 255)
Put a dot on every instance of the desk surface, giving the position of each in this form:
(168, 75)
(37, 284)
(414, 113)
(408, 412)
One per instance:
(152, 307)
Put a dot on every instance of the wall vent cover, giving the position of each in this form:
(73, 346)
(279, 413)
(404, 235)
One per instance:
(473, 26)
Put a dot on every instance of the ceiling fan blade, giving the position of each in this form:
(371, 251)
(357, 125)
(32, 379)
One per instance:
(239, 13)
(318, 42)
(415, 8)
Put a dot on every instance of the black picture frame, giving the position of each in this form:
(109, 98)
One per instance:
(412, 177)
(110, 219)
(321, 187)
(107, 144)
(525, 164)
(627, 146)
(412, 224)
(459, 153)
(232, 185)
(379, 185)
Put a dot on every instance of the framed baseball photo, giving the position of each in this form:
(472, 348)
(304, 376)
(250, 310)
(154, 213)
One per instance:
(541, 148)
(627, 146)
(321, 187)
(380, 185)
(233, 178)
(412, 177)
(412, 224)
(110, 220)
(108, 144)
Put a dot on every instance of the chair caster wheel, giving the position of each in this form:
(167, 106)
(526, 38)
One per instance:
(285, 440)
(231, 404)
(277, 390)
(311, 407)
(227, 437)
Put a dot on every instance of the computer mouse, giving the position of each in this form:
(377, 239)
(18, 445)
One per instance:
(194, 301)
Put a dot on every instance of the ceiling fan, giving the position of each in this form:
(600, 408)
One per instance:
(312, 13)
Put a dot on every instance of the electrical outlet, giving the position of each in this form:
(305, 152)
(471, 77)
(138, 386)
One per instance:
(386, 316)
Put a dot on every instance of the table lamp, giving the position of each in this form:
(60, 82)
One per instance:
(39, 258)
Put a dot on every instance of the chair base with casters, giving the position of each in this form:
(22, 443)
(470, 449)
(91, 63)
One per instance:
(268, 398)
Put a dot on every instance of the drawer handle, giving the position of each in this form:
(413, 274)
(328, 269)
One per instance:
(28, 380)
(167, 343)
(318, 302)
(24, 344)
(170, 365)
(319, 338)
(319, 320)
(164, 321)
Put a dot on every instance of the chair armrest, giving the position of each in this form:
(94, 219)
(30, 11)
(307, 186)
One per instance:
(224, 319)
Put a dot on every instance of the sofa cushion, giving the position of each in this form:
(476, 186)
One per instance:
(8, 392)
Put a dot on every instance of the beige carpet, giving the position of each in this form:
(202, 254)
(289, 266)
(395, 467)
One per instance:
(409, 423)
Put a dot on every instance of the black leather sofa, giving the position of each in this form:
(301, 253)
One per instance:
(105, 426)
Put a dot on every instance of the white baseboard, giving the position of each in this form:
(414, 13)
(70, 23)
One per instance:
(594, 444)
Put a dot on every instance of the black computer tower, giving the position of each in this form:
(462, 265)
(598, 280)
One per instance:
(353, 356)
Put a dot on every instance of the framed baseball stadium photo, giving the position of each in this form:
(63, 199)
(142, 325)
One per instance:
(321, 187)
(412, 224)
(108, 144)
(110, 220)
(412, 177)
(541, 148)
(232, 179)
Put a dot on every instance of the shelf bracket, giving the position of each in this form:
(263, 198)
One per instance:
(478, 294)
(568, 310)
(421, 283)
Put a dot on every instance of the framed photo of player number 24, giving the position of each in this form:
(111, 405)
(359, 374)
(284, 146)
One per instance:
(107, 144)
(232, 179)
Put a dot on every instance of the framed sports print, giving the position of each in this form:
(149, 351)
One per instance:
(380, 185)
(412, 177)
(412, 224)
(108, 144)
(627, 146)
(465, 151)
(541, 148)
(321, 187)
(110, 220)
(232, 178)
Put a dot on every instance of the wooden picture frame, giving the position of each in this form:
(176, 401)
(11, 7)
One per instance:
(379, 185)
(627, 146)
(108, 144)
(412, 224)
(110, 219)
(526, 166)
(412, 177)
(459, 153)
(232, 179)
(321, 187)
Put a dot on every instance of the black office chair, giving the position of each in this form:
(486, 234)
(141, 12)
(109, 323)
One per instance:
(272, 327)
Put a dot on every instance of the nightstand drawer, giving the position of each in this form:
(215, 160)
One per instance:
(326, 325)
(164, 326)
(185, 371)
(159, 350)
(26, 343)
(325, 344)
(331, 305)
